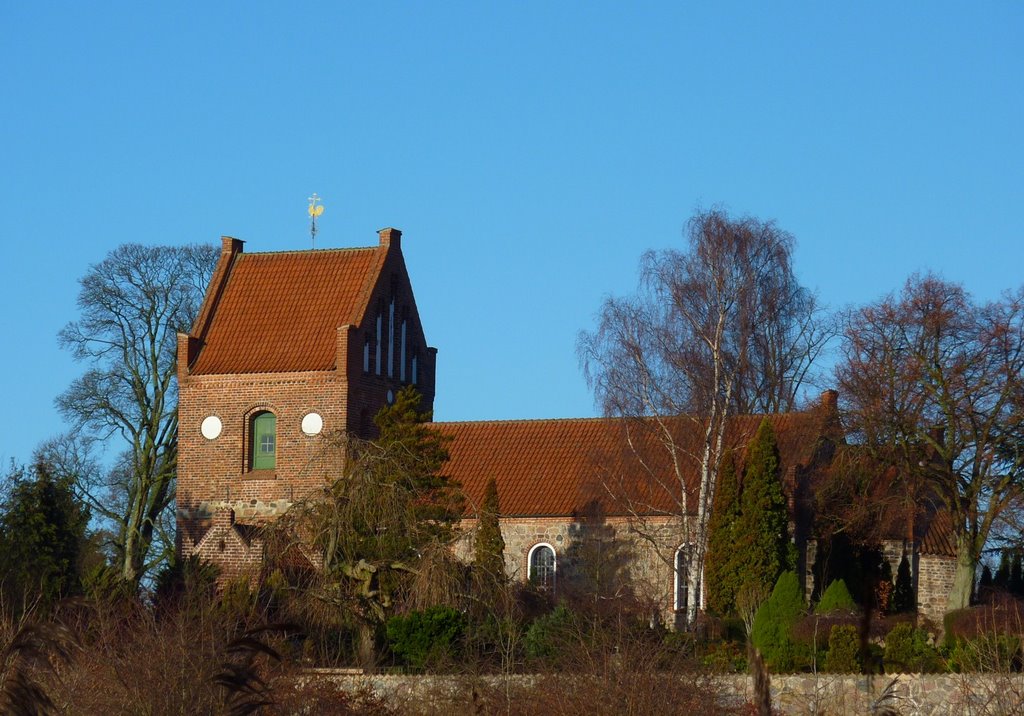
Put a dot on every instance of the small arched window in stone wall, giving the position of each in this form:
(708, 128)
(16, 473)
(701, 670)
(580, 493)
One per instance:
(264, 441)
(541, 566)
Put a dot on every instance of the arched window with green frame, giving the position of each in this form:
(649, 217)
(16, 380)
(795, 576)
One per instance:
(264, 441)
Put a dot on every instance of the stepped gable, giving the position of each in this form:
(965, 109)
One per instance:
(280, 311)
(556, 467)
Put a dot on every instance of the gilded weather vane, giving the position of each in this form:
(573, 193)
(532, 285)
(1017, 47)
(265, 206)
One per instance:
(315, 210)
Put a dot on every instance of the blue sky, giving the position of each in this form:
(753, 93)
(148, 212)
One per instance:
(529, 151)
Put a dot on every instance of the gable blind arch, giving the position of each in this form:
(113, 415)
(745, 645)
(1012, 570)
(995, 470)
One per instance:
(264, 441)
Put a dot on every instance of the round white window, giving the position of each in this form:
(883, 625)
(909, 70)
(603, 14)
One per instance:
(312, 424)
(211, 427)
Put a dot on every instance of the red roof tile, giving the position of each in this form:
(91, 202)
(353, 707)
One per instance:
(281, 311)
(938, 538)
(556, 467)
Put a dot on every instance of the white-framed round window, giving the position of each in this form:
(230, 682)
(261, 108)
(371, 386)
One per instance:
(541, 565)
(312, 423)
(211, 427)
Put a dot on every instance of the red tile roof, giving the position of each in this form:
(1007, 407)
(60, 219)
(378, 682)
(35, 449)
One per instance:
(281, 311)
(556, 467)
(938, 538)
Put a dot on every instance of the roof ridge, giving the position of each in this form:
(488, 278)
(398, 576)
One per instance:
(681, 416)
(337, 249)
(504, 421)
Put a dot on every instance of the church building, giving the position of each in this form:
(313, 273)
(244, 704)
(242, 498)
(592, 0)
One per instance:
(291, 347)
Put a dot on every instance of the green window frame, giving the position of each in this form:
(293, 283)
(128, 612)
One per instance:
(264, 441)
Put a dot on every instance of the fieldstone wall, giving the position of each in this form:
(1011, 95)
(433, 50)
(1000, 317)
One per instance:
(934, 585)
(643, 563)
(932, 576)
(905, 694)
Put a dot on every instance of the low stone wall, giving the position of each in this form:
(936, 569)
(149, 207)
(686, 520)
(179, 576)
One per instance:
(925, 694)
(905, 694)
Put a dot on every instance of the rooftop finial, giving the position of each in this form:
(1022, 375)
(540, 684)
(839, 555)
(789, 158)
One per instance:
(315, 210)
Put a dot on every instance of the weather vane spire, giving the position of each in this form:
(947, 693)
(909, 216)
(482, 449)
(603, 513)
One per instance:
(315, 210)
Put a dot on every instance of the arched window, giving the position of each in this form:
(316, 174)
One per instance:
(682, 575)
(264, 441)
(682, 579)
(541, 565)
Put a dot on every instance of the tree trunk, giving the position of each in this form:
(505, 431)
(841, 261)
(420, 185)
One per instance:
(367, 647)
(963, 578)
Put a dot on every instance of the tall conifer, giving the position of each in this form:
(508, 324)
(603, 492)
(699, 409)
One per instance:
(762, 545)
(903, 593)
(489, 552)
(720, 569)
(1002, 578)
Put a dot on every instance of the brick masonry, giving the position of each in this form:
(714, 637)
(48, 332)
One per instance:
(219, 496)
(215, 476)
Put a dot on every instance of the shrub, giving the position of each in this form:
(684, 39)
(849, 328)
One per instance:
(991, 653)
(725, 657)
(836, 598)
(772, 633)
(425, 638)
(843, 650)
(550, 633)
(1002, 615)
(907, 650)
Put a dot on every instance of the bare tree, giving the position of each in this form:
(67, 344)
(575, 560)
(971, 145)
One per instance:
(932, 384)
(132, 305)
(720, 328)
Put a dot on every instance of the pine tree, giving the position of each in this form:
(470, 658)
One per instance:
(762, 545)
(721, 577)
(42, 536)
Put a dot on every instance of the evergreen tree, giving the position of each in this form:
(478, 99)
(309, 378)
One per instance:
(1002, 578)
(773, 626)
(489, 549)
(1016, 583)
(416, 454)
(42, 536)
(721, 577)
(985, 583)
(903, 593)
(762, 545)
(836, 598)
